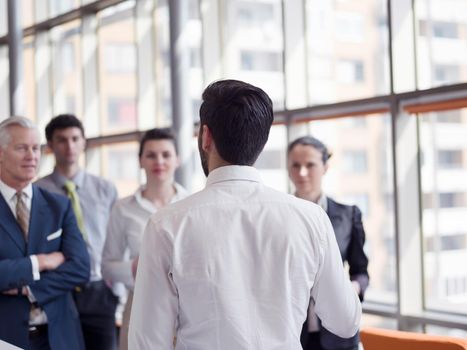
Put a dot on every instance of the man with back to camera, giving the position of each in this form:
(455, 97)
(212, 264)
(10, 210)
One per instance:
(235, 265)
(92, 198)
(42, 252)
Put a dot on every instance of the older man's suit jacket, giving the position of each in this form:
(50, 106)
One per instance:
(350, 235)
(52, 228)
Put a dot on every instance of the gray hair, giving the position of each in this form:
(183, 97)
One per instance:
(5, 125)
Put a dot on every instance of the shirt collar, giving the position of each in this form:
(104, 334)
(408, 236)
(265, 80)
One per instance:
(180, 193)
(233, 173)
(59, 179)
(323, 202)
(9, 192)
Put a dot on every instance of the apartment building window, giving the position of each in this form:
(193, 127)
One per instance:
(454, 116)
(260, 61)
(450, 159)
(350, 71)
(447, 242)
(349, 27)
(438, 29)
(446, 73)
(451, 199)
(251, 13)
(121, 112)
(355, 161)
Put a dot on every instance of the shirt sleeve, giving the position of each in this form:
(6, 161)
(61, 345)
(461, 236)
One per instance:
(153, 319)
(35, 268)
(336, 302)
(115, 267)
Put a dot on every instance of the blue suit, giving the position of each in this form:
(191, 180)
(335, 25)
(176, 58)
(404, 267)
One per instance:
(50, 213)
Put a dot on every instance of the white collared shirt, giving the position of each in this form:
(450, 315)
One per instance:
(234, 267)
(125, 230)
(9, 194)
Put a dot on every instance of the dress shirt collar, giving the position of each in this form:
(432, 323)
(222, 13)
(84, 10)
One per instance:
(233, 173)
(323, 202)
(9, 193)
(180, 193)
(60, 180)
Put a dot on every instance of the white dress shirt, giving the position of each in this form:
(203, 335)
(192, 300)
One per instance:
(125, 230)
(234, 267)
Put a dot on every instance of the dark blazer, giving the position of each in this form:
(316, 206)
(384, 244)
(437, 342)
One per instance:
(49, 214)
(350, 235)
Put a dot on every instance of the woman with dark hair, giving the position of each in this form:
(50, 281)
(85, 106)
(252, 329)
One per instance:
(307, 164)
(158, 158)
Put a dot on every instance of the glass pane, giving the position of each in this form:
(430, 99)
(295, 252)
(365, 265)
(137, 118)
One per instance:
(196, 65)
(29, 80)
(378, 322)
(272, 162)
(254, 45)
(443, 148)
(117, 72)
(162, 63)
(4, 83)
(441, 42)
(361, 173)
(67, 69)
(3, 18)
(58, 7)
(452, 332)
(117, 163)
(347, 50)
(27, 13)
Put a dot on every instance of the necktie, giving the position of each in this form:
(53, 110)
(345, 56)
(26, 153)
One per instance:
(22, 214)
(70, 189)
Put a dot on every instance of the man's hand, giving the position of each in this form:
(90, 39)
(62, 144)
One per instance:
(356, 286)
(134, 266)
(24, 291)
(50, 261)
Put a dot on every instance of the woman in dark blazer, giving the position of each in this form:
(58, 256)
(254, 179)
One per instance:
(307, 164)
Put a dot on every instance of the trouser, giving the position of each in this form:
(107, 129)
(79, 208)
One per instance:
(96, 305)
(39, 337)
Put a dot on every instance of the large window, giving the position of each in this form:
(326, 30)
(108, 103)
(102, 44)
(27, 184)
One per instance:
(360, 173)
(441, 32)
(347, 50)
(444, 194)
(117, 68)
(67, 78)
(254, 45)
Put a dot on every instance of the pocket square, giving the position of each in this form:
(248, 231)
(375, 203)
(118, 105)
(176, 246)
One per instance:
(54, 235)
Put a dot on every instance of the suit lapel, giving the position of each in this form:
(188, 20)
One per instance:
(38, 220)
(9, 225)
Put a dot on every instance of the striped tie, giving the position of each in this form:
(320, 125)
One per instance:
(22, 214)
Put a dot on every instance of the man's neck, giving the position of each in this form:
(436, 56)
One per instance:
(66, 170)
(17, 185)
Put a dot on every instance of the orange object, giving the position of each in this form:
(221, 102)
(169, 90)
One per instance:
(385, 339)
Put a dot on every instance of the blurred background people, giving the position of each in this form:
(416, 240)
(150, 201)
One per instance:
(307, 164)
(42, 253)
(92, 198)
(158, 158)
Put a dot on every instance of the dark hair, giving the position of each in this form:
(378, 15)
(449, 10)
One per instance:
(239, 116)
(157, 134)
(312, 142)
(62, 121)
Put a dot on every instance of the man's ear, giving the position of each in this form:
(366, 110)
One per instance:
(206, 141)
